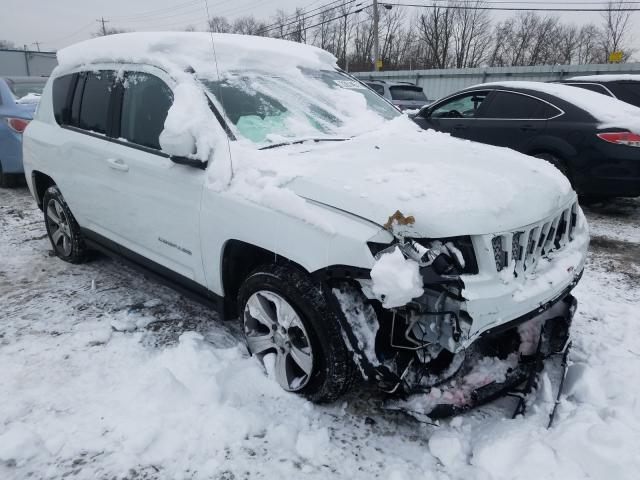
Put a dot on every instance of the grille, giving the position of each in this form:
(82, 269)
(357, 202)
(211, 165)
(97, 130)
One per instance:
(526, 246)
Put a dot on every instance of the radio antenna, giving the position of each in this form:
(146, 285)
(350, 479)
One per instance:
(215, 60)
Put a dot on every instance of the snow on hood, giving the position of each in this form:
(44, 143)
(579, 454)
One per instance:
(609, 111)
(177, 51)
(451, 187)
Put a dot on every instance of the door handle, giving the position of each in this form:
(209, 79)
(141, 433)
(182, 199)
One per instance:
(528, 128)
(117, 164)
(460, 126)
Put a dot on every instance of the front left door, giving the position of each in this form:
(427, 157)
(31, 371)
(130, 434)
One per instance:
(459, 115)
(157, 202)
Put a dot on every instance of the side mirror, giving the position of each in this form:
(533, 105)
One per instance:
(189, 162)
(424, 112)
(177, 144)
(180, 147)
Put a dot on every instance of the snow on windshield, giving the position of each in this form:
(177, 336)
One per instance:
(266, 107)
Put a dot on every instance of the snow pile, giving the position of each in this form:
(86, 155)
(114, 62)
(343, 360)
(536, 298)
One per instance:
(609, 111)
(396, 279)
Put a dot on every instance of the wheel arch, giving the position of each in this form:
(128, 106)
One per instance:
(239, 259)
(40, 182)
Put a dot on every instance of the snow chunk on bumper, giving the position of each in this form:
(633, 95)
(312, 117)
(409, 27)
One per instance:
(396, 280)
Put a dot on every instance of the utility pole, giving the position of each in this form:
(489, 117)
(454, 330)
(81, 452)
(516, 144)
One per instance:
(37, 44)
(346, 64)
(376, 41)
(104, 28)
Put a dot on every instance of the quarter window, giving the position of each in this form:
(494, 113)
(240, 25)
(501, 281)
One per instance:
(96, 96)
(465, 106)
(517, 106)
(594, 87)
(145, 106)
(61, 102)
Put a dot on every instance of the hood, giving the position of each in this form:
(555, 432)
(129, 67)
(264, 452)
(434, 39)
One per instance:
(450, 187)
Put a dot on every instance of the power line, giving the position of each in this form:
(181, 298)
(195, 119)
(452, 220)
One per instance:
(304, 18)
(300, 30)
(291, 17)
(515, 9)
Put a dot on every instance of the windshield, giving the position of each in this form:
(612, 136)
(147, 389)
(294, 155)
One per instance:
(23, 89)
(268, 108)
(408, 93)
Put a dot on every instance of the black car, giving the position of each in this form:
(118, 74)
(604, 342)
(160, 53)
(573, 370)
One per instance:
(538, 119)
(622, 87)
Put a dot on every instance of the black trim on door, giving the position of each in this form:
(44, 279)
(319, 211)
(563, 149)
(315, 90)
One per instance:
(181, 284)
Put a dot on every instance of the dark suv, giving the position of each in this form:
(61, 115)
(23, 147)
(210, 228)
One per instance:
(593, 140)
(622, 87)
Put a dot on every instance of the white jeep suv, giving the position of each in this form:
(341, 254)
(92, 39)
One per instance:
(257, 177)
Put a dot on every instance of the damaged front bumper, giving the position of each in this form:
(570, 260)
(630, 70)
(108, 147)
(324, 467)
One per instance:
(466, 321)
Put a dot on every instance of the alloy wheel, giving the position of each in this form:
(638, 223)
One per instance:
(59, 228)
(271, 325)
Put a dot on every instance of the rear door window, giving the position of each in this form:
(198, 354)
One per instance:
(517, 106)
(626, 91)
(96, 96)
(379, 89)
(145, 105)
(407, 93)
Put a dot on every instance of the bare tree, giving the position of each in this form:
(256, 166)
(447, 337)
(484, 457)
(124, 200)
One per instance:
(248, 25)
(103, 32)
(7, 45)
(471, 34)
(616, 25)
(435, 31)
(219, 25)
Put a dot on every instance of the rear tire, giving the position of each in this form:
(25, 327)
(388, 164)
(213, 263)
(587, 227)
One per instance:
(273, 295)
(63, 230)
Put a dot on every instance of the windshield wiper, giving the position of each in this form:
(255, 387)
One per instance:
(297, 142)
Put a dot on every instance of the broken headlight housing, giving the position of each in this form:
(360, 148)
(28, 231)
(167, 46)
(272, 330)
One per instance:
(442, 254)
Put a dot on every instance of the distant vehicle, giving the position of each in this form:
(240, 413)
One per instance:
(404, 95)
(623, 87)
(594, 140)
(18, 100)
(272, 193)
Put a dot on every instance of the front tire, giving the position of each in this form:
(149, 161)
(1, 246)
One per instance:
(284, 312)
(63, 230)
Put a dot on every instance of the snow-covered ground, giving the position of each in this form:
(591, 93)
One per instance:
(105, 374)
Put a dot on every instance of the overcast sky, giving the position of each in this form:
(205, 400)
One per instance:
(57, 23)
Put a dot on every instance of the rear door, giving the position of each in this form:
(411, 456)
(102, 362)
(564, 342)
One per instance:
(460, 115)
(514, 120)
(155, 202)
(79, 170)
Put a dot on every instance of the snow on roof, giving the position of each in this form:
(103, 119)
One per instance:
(176, 51)
(607, 78)
(609, 111)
